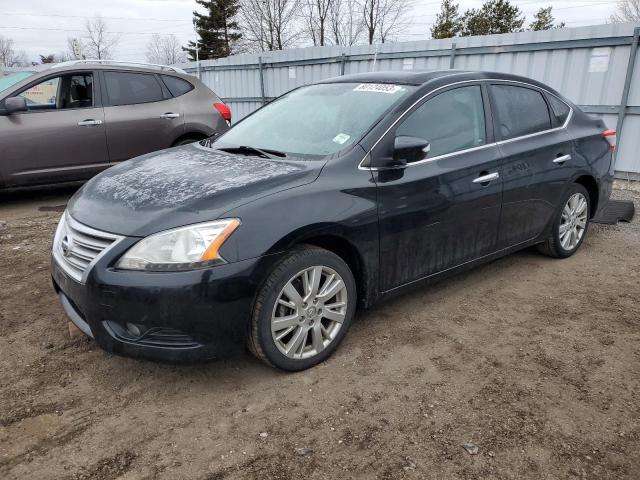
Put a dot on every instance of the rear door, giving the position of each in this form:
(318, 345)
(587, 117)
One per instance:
(537, 165)
(62, 135)
(141, 115)
(442, 211)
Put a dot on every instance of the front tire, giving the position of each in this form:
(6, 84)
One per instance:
(303, 310)
(570, 225)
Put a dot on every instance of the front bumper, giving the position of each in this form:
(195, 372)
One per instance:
(182, 316)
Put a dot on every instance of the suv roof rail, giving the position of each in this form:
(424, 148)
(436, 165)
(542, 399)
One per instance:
(118, 62)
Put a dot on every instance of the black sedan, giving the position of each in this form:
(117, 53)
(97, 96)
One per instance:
(330, 198)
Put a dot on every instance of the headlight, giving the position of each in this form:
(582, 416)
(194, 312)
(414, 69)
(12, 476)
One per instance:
(179, 249)
(60, 230)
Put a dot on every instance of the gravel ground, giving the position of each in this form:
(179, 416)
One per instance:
(534, 361)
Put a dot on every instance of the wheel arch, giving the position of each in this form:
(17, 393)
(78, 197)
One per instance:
(195, 136)
(590, 183)
(341, 246)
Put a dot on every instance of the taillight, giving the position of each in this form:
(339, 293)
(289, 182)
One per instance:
(610, 136)
(224, 110)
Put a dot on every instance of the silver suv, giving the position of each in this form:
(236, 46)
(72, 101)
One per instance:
(71, 120)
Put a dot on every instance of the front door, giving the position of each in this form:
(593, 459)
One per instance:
(141, 115)
(60, 138)
(444, 210)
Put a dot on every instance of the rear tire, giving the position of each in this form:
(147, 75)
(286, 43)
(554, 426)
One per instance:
(303, 310)
(570, 224)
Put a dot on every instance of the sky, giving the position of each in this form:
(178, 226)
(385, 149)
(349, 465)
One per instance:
(42, 26)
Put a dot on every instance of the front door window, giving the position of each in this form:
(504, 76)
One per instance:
(60, 93)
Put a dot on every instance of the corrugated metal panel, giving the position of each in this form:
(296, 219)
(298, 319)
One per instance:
(564, 59)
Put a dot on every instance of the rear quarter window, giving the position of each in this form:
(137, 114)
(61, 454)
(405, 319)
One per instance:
(559, 110)
(520, 111)
(177, 86)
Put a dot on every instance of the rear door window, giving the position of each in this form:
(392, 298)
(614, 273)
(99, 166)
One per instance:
(125, 88)
(520, 111)
(451, 121)
(177, 86)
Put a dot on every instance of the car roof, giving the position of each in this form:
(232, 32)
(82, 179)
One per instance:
(420, 78)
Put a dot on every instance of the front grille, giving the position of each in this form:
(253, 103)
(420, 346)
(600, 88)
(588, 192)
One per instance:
(76, 247)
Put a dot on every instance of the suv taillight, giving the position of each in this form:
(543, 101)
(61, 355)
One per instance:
(610, 136)
(224, 110)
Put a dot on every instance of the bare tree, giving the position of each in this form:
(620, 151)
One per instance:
(6, 51)
(628, 11)
(345, 21)
(165, 49)
(392, 14)
(9, 57)
(20, 59)
(99, 43)
(382, 18)
(75, 49)
(270, 24)
(315, 14)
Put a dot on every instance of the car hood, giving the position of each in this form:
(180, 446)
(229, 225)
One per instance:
(181, 186)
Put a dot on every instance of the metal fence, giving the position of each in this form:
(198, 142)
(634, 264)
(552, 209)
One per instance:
(596, 67)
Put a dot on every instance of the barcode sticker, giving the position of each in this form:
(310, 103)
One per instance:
(378, 88)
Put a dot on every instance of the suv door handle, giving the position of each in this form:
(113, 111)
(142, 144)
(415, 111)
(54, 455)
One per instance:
(487, 178)
(89, 123)
(169, 115)
(561, 159)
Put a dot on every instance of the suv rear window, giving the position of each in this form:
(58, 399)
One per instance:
(126, 88)
(177, 86)
(521, 111)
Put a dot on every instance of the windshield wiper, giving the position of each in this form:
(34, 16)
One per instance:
(247, 150)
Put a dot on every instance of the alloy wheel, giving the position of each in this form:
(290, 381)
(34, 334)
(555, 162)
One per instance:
(309, 312)
(573, 221)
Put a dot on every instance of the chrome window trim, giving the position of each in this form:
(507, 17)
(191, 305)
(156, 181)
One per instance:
(480, 147)
(74, 224)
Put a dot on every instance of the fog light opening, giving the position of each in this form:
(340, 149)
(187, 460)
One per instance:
(134, 329)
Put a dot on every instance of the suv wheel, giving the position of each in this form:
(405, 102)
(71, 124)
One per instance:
(303, 310)
(570, 225)
(185, 141)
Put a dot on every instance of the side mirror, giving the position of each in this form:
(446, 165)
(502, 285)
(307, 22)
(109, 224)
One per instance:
(410, 149)
(15, 104)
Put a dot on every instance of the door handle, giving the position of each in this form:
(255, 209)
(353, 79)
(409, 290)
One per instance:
(89, 123)
(487, 178)
(169, 115)
(563, 158)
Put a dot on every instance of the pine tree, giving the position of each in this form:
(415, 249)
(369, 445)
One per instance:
(495, 16)
(543, 20)
(217, 29)
(448, 22)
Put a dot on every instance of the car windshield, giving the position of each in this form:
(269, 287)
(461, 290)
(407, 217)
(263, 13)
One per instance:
(10, 80)
(315, 121)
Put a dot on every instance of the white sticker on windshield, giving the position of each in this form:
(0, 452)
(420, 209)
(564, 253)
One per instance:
(378, 88)
(341, 138)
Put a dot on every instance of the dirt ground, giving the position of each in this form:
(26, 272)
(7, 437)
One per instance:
(535, 361)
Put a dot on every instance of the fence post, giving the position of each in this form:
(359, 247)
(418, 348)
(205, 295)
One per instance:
(452, 57)
(627, 85)
(261, 68)
(343, 60)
